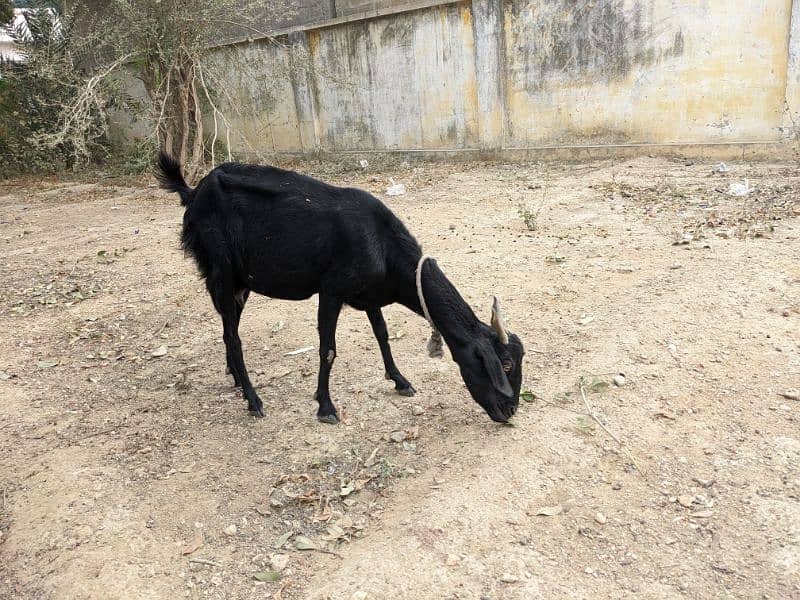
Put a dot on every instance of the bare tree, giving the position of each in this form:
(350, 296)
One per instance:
(162, 43)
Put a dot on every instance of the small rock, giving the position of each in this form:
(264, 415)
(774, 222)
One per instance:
(417, 410)
(278, 562)
(397, 436)
(676, 266)
(601, 518)
(230, 530)
(787, 312)
(686, 501)
(616, 486)
(508, 578)
(275, 503)
(359, 595)
(452, 560)
(619, 380)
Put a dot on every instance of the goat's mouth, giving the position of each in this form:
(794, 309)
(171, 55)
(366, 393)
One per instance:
(501, 413)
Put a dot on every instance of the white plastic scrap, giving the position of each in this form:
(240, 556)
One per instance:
(721, 168)
(364, 163)
(395, 189)
(740, 189)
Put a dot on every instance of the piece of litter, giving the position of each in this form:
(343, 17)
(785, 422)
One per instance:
(364, 164)
(740, 189)
(585, 320)
(395, 189)
(721, 168)
(300, 351)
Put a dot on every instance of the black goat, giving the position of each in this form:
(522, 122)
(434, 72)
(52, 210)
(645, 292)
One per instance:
(284, 235)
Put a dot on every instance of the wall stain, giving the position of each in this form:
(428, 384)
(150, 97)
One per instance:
(598, 40)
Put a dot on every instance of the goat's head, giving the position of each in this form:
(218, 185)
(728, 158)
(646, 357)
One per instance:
(491, 366)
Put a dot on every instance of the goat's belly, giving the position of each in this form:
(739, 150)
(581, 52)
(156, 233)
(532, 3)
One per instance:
(284, 291)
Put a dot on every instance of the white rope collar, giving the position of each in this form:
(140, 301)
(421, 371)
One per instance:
(435, 349)
(419, 290)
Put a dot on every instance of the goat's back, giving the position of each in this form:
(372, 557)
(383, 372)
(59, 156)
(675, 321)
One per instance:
(287, 235)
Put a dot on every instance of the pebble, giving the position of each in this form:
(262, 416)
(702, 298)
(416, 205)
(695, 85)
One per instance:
(508, 578)
(397, 436)
(278, 562)
(686, 501)
(417, 410)
(601, 518)
(359, 595)
(787, 312)
(619, 380)
(452, 560)
(230, 530)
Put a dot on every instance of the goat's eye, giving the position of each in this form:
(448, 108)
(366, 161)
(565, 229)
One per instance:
(508, 366)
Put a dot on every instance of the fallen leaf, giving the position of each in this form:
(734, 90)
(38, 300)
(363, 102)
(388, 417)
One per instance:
(334, 533)
(46, 364)
(283, 539)
(277, 327)
(663, 415)
(360, 483)
(372, 458)
(528, 396)
(299, 351)
(270, 576)
(196, 543)
(597, 386)
(324, 515)
(160, 351)
(301, 542)
(549, 511)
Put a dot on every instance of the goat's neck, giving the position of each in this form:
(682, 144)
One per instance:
(451, 315)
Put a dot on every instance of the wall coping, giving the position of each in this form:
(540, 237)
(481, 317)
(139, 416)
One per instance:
(364, 15)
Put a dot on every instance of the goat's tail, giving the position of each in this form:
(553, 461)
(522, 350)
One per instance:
(171, 179)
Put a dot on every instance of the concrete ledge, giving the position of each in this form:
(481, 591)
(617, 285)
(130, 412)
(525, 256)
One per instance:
(409, 6)
(760, 150)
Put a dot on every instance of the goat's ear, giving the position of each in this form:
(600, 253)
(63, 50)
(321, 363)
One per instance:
(492, 364)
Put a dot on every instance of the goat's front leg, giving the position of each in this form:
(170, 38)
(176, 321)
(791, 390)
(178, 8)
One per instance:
(401, 384)
(327, 316)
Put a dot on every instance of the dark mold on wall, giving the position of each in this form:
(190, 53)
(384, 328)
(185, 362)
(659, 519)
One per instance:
(597, 40)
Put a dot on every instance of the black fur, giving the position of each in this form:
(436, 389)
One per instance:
(285, 235)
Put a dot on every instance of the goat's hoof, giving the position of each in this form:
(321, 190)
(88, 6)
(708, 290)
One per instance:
(408, 392)
(329, 419)
(256, 412)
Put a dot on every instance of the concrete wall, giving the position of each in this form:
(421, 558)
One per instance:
(505, 74)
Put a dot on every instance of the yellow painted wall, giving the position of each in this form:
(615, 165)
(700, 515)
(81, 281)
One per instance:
(527, 73)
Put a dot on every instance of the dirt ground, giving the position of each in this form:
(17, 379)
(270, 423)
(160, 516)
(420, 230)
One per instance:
(124, 446)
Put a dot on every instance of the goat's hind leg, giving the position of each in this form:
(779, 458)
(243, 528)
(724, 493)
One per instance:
(327, 316)
(225, 301)
(401, 384)
(241, 299)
